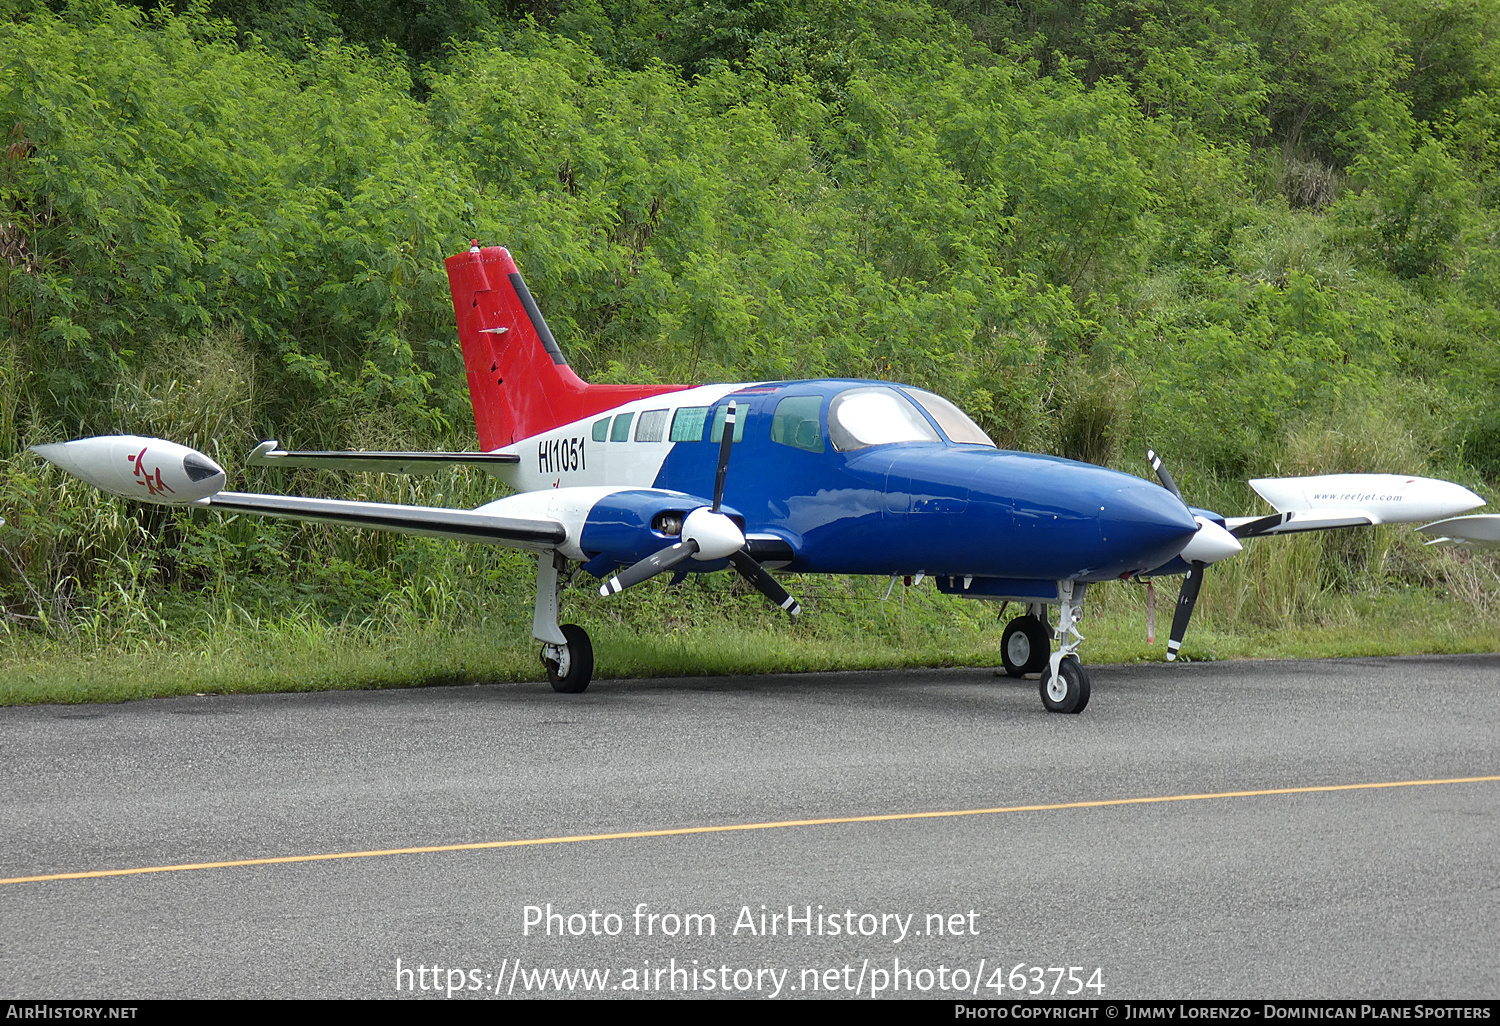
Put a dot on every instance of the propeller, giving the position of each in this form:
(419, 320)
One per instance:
(1211, 544)
(708, 534)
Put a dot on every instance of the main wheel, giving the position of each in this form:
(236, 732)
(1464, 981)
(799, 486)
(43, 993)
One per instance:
(1025, 646)
(573, 668)
(1068, 691)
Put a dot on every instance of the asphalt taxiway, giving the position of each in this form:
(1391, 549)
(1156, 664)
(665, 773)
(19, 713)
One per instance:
(1255, 829)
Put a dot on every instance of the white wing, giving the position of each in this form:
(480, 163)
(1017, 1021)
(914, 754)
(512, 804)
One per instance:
(1480, 532)
(427, 521)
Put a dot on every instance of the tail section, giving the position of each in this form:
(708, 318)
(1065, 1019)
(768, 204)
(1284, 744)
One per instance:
(519, 381)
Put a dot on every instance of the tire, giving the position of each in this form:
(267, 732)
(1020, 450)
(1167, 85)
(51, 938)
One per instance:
(1072, 692)
(580, 662)
(1025, 646)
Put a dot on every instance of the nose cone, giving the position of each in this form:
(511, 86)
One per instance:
(1143, 525)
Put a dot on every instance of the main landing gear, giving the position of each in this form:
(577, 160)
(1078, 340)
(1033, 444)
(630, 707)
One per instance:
(1025, 648)
(570, 666)
(567, 652)
(1026, 642)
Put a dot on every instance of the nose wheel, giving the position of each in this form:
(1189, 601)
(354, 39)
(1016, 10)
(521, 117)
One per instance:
(1025, 645)
(1065, 690)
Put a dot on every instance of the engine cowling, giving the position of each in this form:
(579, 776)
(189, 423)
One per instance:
(616, 526)
(149, 469)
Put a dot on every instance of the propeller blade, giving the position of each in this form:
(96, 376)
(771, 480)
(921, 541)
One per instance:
(1186, 599)
(725, 441)
(1164, 475)
(764, 582)
(1261, 526)
(663, 559)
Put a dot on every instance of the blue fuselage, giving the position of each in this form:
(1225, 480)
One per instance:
(932, 507)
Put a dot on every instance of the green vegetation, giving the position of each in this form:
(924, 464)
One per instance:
(1260, 237)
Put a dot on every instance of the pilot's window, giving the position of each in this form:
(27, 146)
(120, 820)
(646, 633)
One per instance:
(796, 422)
(875, 415)
(651, 425)
(601, 429)
(687, 424)
(741, 414)
(621, 432)
(954, 422)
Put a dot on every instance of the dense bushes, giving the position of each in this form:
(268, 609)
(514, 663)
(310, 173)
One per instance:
(1220, 240)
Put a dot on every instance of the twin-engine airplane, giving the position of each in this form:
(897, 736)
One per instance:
(828, 476)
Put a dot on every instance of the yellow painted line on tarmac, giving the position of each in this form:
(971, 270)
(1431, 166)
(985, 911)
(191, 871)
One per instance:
(730, 827)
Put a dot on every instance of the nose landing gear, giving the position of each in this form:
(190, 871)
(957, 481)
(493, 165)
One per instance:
(1025, 648)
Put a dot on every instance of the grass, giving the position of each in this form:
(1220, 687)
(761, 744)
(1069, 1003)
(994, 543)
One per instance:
(847, 627)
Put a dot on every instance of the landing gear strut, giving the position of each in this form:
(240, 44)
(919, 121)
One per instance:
(1064, 686)
(567, 652)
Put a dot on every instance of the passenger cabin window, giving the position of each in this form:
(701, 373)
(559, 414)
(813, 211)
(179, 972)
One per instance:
(601, 430)
(687, 424)
(621, 432)
(875, 415)
(741, 414)
(954, 422)
(651, 426)
(796, 422)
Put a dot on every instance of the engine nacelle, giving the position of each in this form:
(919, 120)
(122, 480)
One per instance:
(149, 469)
(615, 525)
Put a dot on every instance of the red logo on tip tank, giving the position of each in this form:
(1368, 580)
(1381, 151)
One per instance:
(154, 484)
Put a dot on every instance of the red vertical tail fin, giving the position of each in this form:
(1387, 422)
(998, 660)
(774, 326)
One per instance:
(519, 381)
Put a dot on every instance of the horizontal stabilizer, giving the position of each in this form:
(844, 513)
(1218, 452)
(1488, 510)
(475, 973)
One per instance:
(427, 521)
(267, 455)
(1480, 532)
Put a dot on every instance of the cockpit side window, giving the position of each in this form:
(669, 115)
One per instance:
(796, 422)
(741, 414)
(875, 415)
(954, 422)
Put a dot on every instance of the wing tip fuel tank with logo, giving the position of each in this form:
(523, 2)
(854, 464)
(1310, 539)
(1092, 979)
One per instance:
(149, 469)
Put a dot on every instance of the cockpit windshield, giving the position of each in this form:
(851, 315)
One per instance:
(875, 415)
(954, 422)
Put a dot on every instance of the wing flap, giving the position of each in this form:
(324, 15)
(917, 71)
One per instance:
(427, 521)
(1296, 521)
(267, 455)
